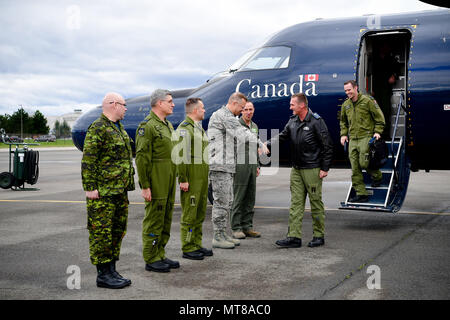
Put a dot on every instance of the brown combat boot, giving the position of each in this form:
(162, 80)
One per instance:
(238, 234)
(252, 233)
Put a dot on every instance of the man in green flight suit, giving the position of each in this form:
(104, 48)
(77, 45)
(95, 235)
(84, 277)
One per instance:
(107, 175)
(193, 171)
(361, 119)
(244, 183)
(157, 178)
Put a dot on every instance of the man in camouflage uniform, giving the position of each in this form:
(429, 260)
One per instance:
(223, 129)
(107, 174)
(247, 169)
(361, 119)
(157, 175)
(191, 155)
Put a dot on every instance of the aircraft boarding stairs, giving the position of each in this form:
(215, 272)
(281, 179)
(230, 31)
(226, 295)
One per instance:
(389, 196)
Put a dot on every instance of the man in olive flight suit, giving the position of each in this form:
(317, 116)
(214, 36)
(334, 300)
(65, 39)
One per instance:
(157, 178)
(244, 182)
(107, 175)
(361, 119)
(192, 153)
(311, 152)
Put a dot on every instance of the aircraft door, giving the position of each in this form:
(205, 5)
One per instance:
(382, 73)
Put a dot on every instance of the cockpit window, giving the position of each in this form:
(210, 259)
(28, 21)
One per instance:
(264, 58)
(243, 59)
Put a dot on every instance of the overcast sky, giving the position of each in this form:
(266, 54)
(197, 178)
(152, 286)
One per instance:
(56, 56)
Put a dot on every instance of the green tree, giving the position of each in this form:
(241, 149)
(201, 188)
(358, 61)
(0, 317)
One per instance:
(57, 129)
(39, 124)
(61, 129)
(20, 122)
(4, 122)
(65, 129)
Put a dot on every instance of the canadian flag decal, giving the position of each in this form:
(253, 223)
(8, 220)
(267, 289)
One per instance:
(311, 77)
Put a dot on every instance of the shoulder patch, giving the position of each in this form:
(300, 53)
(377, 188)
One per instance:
(374, 101)
(315, 115)
(185, 123)
(141, 131)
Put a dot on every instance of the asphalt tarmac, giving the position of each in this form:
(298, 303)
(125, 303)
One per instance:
(44, 245)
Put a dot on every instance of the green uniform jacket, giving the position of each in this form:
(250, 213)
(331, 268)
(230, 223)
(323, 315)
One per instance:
(107, 164)
(194, 150)
(153, 154)
(361, 119)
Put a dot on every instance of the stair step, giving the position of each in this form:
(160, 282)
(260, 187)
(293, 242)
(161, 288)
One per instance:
(386, 179)
(377, 197)
(383, 198)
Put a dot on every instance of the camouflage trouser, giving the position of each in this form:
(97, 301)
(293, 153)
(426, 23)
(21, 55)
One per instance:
(107, 225)
(306, 182)
(222, 186)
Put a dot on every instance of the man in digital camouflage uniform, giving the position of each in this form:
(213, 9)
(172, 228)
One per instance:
(361, 119)
(107, 174)
(192, 163)
(223, 129)
(157, 178)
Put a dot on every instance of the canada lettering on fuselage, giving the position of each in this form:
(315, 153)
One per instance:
(306, 85)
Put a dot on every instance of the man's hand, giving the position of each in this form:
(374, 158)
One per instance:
(184, 186)
(391, 79)
(377, 135)
(147, 194)
(323, 174)
(92, 195)
(344, 139)
(263, 149)
(258, 170)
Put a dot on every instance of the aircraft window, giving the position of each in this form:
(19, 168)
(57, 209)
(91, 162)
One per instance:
(268, 58)
(242, 60)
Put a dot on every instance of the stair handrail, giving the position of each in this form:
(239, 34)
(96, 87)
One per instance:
(400, 106)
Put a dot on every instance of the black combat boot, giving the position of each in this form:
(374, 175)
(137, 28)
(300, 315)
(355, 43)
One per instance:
(117, 275)
(105, 279)
(359, 198)
(316, 241)
(289, 242)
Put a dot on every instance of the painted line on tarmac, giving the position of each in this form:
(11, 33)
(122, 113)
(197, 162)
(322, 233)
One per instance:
(256, 207)
(336, 209)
